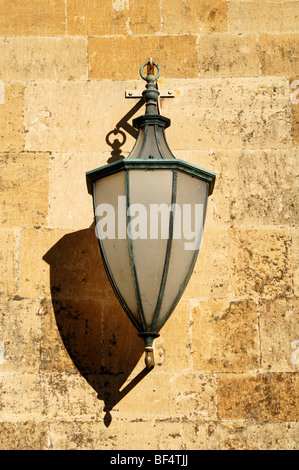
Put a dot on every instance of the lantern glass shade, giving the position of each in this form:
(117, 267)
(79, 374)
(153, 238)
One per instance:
(149, 223)
(150, 210)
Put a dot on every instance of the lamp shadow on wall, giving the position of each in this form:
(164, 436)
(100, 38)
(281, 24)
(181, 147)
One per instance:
(116, 138)
(99, 338)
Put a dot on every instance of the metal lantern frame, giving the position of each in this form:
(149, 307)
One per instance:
(151, 127)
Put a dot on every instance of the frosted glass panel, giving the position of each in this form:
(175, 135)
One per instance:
(112, 225)
(152, 191)
(187, 220)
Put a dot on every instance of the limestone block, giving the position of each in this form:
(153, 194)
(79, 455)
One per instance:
(24, 189)
(173, 348)
(77, 116)
(70, 205)
(225, 336)
(165, 395)
(192, 16)
(228, 55)
(82, 435)
(20, 334)
(8, 262)
(54, 354)
(65, 264)
(38, 58)
(210, 278)
(120, 58)
(34, 273)
(244, 435)
(133, 434)
(23, 436)
(255, 187)
(259, 397)
(21, 397)
(263, 16)
(229, 113)
(279, 54)
(34, 18)
(294, 91)
(259, 262)
(106, 17)
(12, 117)
(69, 397)
(239, 435)
(279, 334)
(150, 435)
(294, 254)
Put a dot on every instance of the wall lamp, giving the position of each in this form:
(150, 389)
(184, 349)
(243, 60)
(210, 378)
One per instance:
(149, 215)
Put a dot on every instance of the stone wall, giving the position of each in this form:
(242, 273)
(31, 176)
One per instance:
(71, 364)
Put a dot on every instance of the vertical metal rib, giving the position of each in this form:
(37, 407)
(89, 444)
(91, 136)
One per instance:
(131, 251)
(139, 157)
(168, 251)
(158, 142)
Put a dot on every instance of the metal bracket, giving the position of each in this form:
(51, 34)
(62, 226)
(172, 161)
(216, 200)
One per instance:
(138, 94)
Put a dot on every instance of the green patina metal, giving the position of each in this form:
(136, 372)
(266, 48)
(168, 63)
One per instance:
(154, 164)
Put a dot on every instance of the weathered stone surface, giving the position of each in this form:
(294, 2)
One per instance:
(263, 16)
(240, 435)
(54, 353)
(66, 265)
(225, 336)
(82, 435)
(173, 348)
(121, 435)
(29, 435)
(229, 113)
(20, 351)
(259, 397)
(228, 55)
(210, 277)
(279, 54)
(120, 58)
(257, 436)
(8, 262)
(76, 116)
(34, 279)
(294, 91)
(24, 189)
(259, 262)
(106, 17)
(268, 178)
(192, 16)
(295, 259)
(12, 118)
(37, 17)
(72, 207)
(36, 58)
(161, 395)
(21, 397)
(279, 335)
(69, 397)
